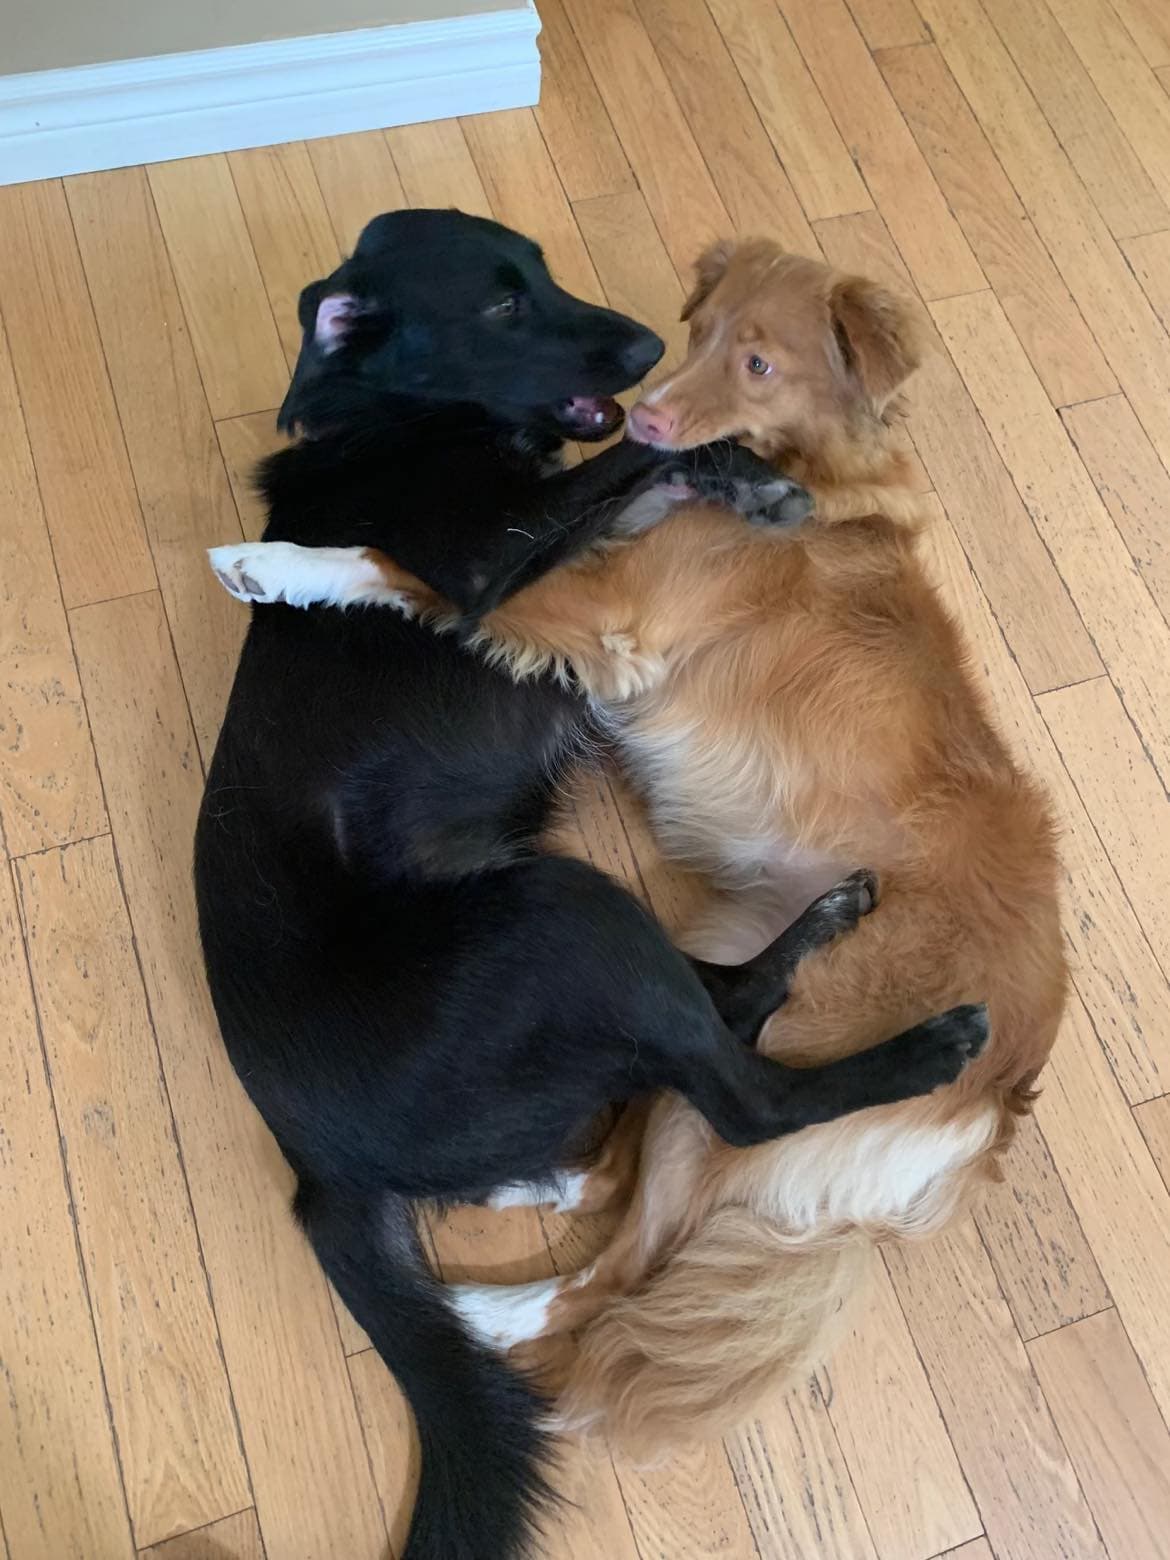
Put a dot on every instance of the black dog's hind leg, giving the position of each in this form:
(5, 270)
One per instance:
(746, 995)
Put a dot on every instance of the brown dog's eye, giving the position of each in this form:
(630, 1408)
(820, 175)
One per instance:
(758, 365)
(505, 309)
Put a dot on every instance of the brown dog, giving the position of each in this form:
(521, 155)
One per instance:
(790, 704)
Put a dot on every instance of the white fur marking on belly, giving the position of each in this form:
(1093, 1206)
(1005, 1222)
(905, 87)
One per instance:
(505, 1314)
(304, 576)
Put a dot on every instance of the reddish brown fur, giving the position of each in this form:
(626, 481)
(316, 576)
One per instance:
(806, 688)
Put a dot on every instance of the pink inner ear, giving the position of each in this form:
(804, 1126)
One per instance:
(335, 315)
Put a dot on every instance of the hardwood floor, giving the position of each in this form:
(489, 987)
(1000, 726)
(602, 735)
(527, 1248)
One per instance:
(177, 1379)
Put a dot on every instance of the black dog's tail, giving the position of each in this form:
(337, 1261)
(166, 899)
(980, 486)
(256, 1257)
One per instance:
(481, 1486)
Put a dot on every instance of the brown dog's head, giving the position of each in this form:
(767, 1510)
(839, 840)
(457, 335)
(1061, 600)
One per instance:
(785, 353)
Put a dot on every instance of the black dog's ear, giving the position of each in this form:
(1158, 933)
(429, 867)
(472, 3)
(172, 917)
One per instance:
(880, 336)
(328, 316)
(709, 269)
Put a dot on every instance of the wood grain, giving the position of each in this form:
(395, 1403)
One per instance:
(357, 179)
(634, 268)
(1131, 635)
(572, 117)
(888, 24)
(49, 790)
(1030, 599)
(793, 111)
(751, 180)
(232, 330)
(1034, 297)
(1131, 480)
(87, 489)
(435, 167)
(62, 1491)
(1150, 259)
(1067, 221)
(181, 1459)
(667, 163)
(280, 1341)
(1042, 1260)
(1118, 1442)
(232, 1538)
(186, 500)
(903, 1465)
(1011, 1452)
(244, 442)
(290, 228)
(897, 175)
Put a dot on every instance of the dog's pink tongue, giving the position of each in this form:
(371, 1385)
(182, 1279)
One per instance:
(594, 410)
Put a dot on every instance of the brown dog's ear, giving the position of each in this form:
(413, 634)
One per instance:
(709, 268)
(879, 335)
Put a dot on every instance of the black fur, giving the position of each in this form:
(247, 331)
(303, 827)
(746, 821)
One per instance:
(420, 1004)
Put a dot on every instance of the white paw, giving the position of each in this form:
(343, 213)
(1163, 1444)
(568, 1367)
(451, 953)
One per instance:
(259, 571)
(265, 572)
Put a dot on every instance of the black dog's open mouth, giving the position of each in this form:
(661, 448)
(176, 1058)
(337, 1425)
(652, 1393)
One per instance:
(589, 416)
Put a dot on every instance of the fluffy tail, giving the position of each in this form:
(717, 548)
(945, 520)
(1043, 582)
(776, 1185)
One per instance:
(738, 1311)
(481, 1487)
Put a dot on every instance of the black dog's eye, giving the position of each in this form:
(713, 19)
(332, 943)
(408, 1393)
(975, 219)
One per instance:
(506, 309)
(758, 365)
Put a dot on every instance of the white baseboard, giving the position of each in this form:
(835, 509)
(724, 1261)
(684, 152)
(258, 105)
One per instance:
(90, 117)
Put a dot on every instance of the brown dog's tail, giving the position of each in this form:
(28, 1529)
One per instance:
(737, 1312)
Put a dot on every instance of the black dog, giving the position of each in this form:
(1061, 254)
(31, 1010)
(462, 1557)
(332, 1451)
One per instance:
(421, 1005)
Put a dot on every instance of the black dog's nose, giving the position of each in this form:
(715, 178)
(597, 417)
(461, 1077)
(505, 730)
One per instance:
(642, 353)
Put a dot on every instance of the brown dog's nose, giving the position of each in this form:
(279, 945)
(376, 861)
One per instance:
(650, 424)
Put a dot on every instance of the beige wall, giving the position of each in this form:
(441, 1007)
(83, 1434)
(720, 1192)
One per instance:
(44, 34)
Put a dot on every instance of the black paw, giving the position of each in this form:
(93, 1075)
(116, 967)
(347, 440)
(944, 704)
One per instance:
(934, 1053)
(842, 907)
(732, 475)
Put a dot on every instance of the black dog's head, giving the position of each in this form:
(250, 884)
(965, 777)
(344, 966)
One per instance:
(444, 307)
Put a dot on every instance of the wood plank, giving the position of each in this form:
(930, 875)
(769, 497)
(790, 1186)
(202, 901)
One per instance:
(896, 1447)
(181, 1460)
(290, 227)
(73, 430)
(391, 1441)
(232, 330)
(1131, 480)
(792, 109)
(593, 1523)
(1150, 259)
(1149, 25)
(795, 1486)
(62, 1497)
(244, 443)
(435, 167)
(977, 1549)
(1027, 284)
(651, 126)
(1030, 599)
(1116, 972)
(357, 179)
(49, 790)
(233, 1538)
(1114, 1185)
(1115, 309)
(1110, 1424)
(1108, 165)
(1041, 1258)
(751, 181)
(284, 1358)
(930, 240)
(572, 117)
(525, 194)
(689, 1505)
(633, 268)
(1122, 795)
(1114, 64)
(889, 24)
(182, 485)
(1154, 1120)
(1002, 1428)
(1131, 635)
